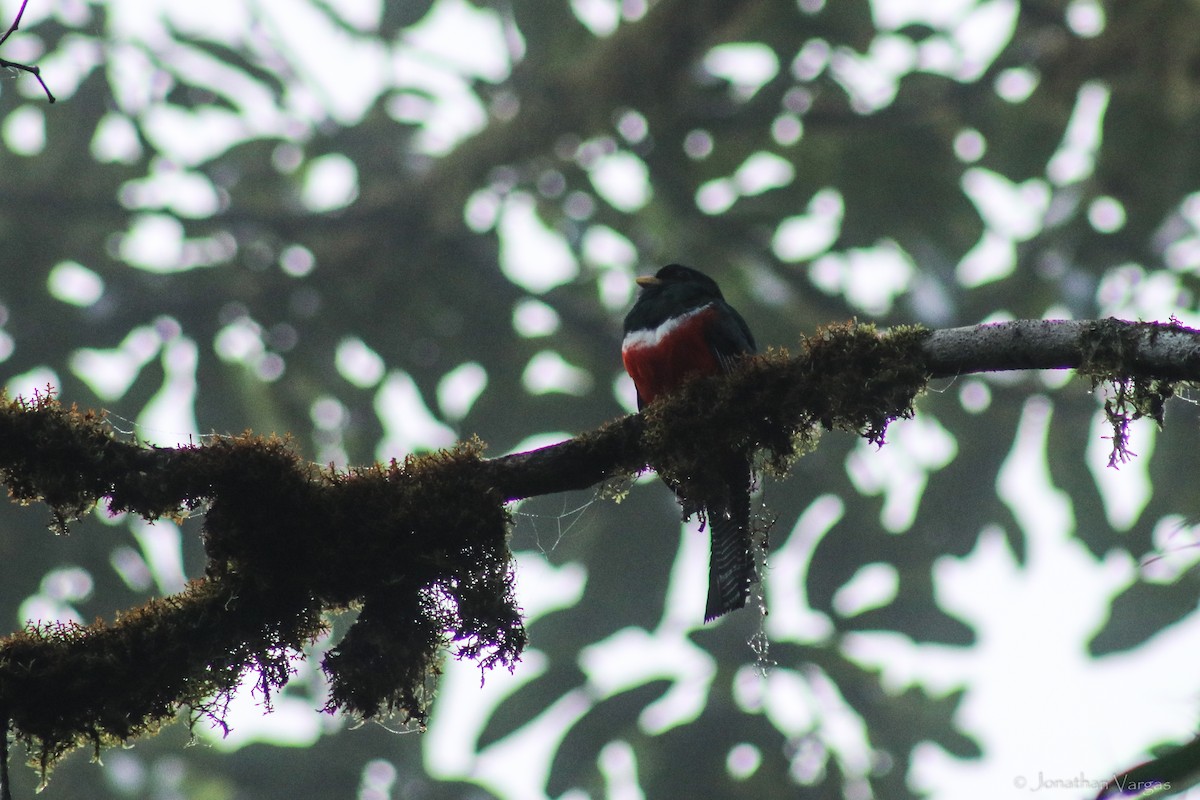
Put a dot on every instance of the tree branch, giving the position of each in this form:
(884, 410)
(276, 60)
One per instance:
(1132, 349)
(1107, 350)
(421, 546)
(32, 70)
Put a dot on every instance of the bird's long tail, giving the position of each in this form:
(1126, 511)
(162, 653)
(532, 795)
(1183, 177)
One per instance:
(731, 568)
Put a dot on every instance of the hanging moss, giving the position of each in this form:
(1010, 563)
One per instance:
(421, 545)
(45, 452)
(1110, 352)
(65, 685)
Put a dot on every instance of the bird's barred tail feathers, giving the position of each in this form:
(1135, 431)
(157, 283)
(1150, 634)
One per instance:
(731, 568)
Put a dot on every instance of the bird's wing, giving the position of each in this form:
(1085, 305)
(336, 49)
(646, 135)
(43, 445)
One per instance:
(731, 567)
(729, 337)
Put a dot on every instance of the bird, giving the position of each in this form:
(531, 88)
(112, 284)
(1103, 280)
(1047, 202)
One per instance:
(679, 327)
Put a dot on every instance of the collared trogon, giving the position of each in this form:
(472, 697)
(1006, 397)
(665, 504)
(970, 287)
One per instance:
(680, 327)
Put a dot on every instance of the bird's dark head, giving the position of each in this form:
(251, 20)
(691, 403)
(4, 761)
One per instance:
(673, 290)
(677, 279)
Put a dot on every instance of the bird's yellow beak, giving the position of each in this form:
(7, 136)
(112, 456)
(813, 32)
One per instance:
(647, 280)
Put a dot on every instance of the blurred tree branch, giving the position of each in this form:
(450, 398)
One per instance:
(6, 64)
(421, 546)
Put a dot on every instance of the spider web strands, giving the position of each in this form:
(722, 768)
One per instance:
(562, 522)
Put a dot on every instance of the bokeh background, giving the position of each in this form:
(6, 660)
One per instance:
(383, 226)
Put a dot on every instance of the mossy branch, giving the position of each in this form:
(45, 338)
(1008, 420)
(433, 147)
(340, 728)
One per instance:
(845, 377)
(421, 546)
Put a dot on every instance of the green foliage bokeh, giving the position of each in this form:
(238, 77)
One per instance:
(212, 133)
